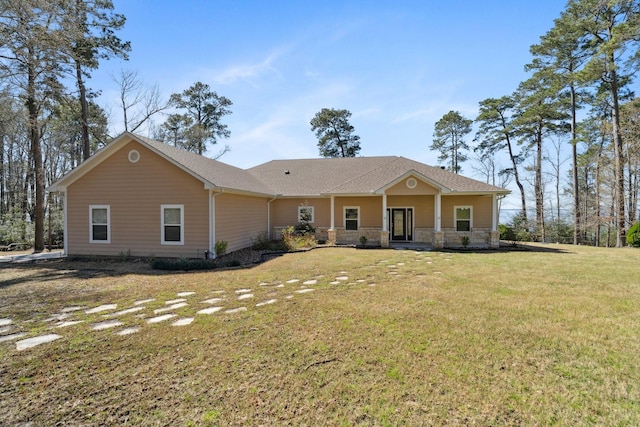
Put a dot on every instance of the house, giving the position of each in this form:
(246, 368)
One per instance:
(146, 198)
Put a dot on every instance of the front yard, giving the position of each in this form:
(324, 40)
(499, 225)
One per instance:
(333, 336)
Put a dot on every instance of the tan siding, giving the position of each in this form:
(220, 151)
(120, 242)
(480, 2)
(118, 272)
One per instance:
(135, 192)
(370, 210)
(402, 189)
(284, 212)
(482, 210)
(240, 219)
(423, 208)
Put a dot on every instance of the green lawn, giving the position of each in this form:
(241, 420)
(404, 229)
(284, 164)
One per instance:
(546, 336)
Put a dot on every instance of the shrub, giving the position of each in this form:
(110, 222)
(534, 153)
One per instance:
(465, 240)
(633, 235)
(183, 264)
(363, 240)
(506, 233)
(221, 247)
(294, 241)
(261, 242)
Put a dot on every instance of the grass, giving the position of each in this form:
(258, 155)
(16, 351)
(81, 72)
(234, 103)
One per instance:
(548, 336)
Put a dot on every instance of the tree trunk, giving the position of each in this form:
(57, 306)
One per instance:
(577, 226)
(84, 112)
(36, 153)
(618, 159)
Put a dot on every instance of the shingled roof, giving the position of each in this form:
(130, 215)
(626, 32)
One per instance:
(295, 177)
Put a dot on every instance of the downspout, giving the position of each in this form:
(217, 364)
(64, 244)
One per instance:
(212, 227)
(269, 216)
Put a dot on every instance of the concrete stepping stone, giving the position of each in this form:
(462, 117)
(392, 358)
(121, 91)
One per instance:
(209, 310)
(126, 311)
(72, 309)
(183, 322)
(5, 322)
(175, 301)
(293, 281)
(289, 296)
(212, 300)
(217, 292)
(281, 285)
(128, 331)
(171, 307)
(32, 342)
(310, 282)
(69, 323)
(162, 318)
(400, 264)
(243, 291)
(342, 278)
(360, 281)
(271, 301)
(185, 294)
(343, 272)
(58, 317)
(235, 310)
(245, 296)
(143, 301)
(304, 291)
(106, 325)
(263, 284)
(12, 337)
(100, 308)
(335, 282)
(5, 329)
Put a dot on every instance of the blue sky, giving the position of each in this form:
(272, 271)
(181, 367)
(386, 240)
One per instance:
(398, 66)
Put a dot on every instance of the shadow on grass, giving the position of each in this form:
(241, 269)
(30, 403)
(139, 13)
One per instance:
(510, 247)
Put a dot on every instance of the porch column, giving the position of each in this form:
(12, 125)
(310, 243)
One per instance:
(438, 234)
(331, 233)
(384, 234)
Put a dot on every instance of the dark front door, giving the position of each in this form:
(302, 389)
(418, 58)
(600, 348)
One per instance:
(400, 224)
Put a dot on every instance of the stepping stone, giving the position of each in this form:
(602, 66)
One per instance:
(210, 310)
(104, 307)
(128, 331)
(342, 278)
(245, 296)
(235, 310)
(169, 308)
(183, 322)
(106, 325)
(126, 311)
(293, 281)
(69, 323)
(72, 309)
(343, 272)
(211, 301)
(281, 285)
(334, 283)
(243, 291)
(143, 301)
(393, 272)
(162, 318)
(304, 291)
(12, 337)
(185, 294)
(32, 342)
(263, 284)
(271, 301)
(217, 292)
(372, 284)
(310, 282)
(58, 317)
(5, 329)
(360, 281)
(289, 296)
(400, 263)
(175, 301)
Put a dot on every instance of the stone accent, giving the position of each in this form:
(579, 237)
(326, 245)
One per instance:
(438, 239)
(384, 238)
(495, 239)
(331, 236)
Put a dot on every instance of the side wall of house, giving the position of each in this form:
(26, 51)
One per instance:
(134, 193)
(239, 219)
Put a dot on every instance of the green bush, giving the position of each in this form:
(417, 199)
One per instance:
(221, 247)
(633, 235)
(183, 264)
(295, 241)
(506, 233)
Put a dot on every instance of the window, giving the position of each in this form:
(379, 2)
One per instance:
(351, 218)
(305, 214)
(463, 218)
(100, 229)
(172, 224)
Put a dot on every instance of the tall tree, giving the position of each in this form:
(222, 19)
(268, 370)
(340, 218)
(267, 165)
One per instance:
(31, 37)
(205, 109)
(139, 102)
(562, 53)
(335, 133)
(496, 133)
(448, 139)
(90, 30)
(611, 29)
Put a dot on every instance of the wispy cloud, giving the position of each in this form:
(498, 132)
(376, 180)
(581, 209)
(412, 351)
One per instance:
(248, 71)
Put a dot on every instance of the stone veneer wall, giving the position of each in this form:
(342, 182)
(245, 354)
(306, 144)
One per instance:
(478, 237)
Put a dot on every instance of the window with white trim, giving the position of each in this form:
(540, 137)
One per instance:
(463, 218)
(306, 214)
(351, 218)
(172, 218)
(99, 224)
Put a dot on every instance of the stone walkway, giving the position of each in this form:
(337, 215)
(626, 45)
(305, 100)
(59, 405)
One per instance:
(180, 311)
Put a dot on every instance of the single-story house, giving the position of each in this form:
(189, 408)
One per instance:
(145, 198)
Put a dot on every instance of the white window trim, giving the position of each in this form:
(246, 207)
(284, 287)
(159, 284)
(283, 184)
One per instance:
(313, 215)
(344, 216)
(91, 208)
(455, 217)
(162, 238)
